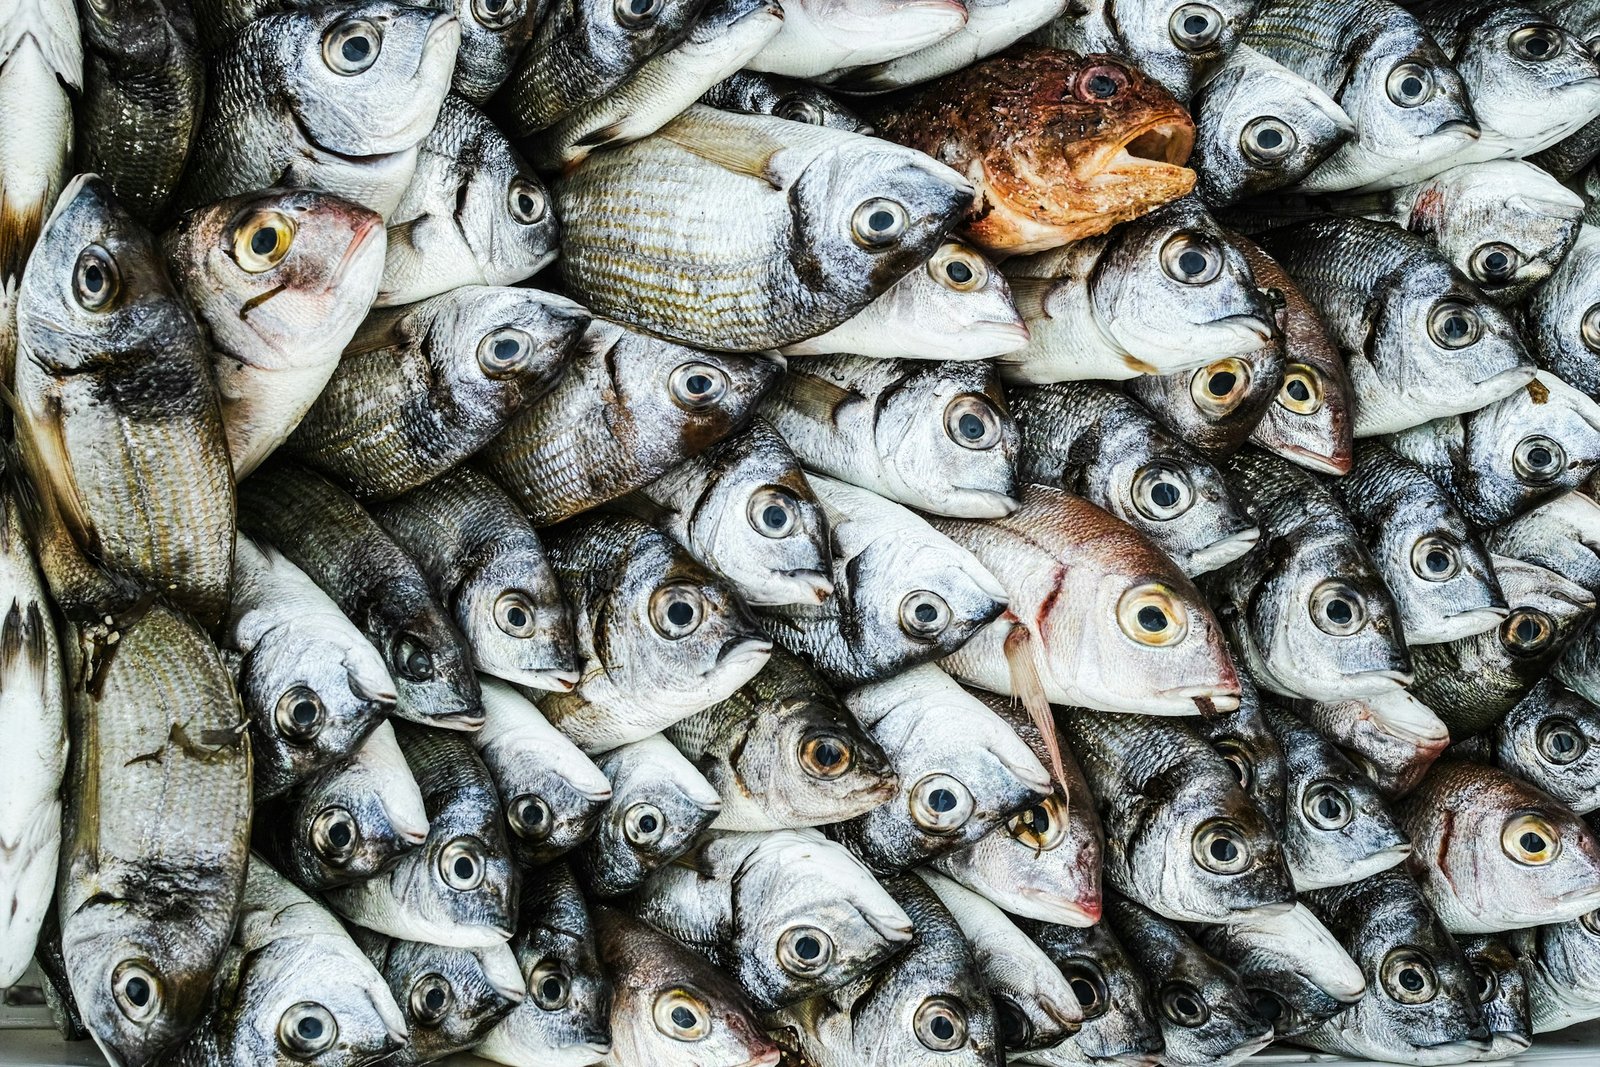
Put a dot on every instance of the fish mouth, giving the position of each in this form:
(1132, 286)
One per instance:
(1465, 624)
(989, 504)
(1220, 699)
(1504, 383)
(1587, 898)
(1261, 911)
(1157, 145)
(1338, 466)
(1375, 683)
(1264, 331)
(817, 583)
(739, 651)
(1223, 552)
(1083, 914)
(995, 333)
(1466, 129)
(364, 236)
(766, 1059)
(550, 679)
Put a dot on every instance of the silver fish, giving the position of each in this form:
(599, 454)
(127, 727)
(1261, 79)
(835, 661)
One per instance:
(1245, 741)
(1181, 45)
(493, 36)
(1551, 740)
(1561, 320)
(1294, 972)
(1119, 1018)
(1561, 963)
(1498, 979)
(450, 997)
(991, 26)
(820, 40)
(1216, 408)
(751, 93)
(1562, 535)
(41, 67)
(1394, 739)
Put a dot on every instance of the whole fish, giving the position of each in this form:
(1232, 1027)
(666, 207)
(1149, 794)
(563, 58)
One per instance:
(1498, 979)
(1493, 853)
(1439, 575)
(659, 804)
(1295, 974)
(659, 636)
(1561, 320)
(628, 409)
(473, 214)
(931, 436)
(904, 594)
(751, 93)
(1307, 608)
(670, 1006)
(421, 388)
(280, 280)
(820, 41)
(116, 407)
(451, 997)
(1422, 341)
(554, 796)
(41, 67)
(991, 26)
(460, 886)
(1551, 740)
(336, 99)
(1217, 407)
(1562, 535)
(493, 36)
(343, 549)
(488, 568)
(1120, 1027)
(312, 685)
(156, 837)
(783, 752)
(1561, 964)
(744, 508)
(1408, 104)
(962, 770)
(1181, 45)
(1260, 126)
(958, 306)
(1091, 307)
(1059, 146)
(1393, 739)
(1091, 440)
(866, 211)
(787, 914)
(1246, 742)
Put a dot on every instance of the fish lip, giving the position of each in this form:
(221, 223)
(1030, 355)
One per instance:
(1222, 699)
(1265, 330)
(1002, 503)
(1466, 624)
(1462, 126)
(1316, 461)
(549, 679)
(363, 236)
(1262, 911)
(769, 1058)
(1589, 898)
(820, 584)
(1162, 134)
(1225, 551)
(1089, 912)
(737, 650)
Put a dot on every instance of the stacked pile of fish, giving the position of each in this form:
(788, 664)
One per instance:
(900, 532)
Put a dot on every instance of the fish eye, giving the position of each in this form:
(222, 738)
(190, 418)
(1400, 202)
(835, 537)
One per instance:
(1327, 806)
(1561, 742)
(1452, 324)
(1530, 840)
(1337, 609)
(879, 223)
(971, 421)
(1302, 391)
(496, 14)
(1591, 921)
(1220, 847)
(940, 1024)
(334, 836)
(826, 756)
(413, 661)
(1238, 760)
(1041, 827)
(299, 715)
(550, 985)
(1408, 976)
(505, 353)
(636, 13)
(136, 989)
(1183, 1005)
(697, 386)
(1270, 1006)
(1101, 82)
(798, 109)
(774, 512)
(530, 817)
(526, 200)
(513, 613)
(1195, 27)
(262, 240)
(461, 864)
(1494, 263)
(351, 46)
(307, 1029)
(1435, 559)
(1527, 632)
(1589, 329)
(676, 611)
(1161, 492)
(431, 999)
(924, 614)
(940, 804)
(681, 1015)
(1191, 258)
(1088, 985)
(805, 951)
(1485, 983)
(1267, 141)
(1015, 1029)
(957, 267)
(1219, 388)
(96, 280)
(1535, 43)
(1152, 615)
(643, 824)
(1538, 459)
(1410, 84)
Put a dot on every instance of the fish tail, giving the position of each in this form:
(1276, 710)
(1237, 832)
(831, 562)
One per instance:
(27, 885)
(22, 641)
(1028, 688)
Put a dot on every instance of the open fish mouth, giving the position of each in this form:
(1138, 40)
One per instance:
(1158, 145)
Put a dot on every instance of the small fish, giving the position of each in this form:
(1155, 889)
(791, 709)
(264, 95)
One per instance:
(751, 93)
(1217, 407)
(1246, 742)
(1502, 988)
(1295, 974)
(659, 804)
(1551, 740)
(1120, 1027)
(1493, 853)
(450, 997)
(1561, 320)
(493, 36)
(1562, 535)
(820, 41)
(460, 886)
(421, 388)
(784, 752)
(1394, 738)
(991, 26)
(1561, 965)
(1181, 45)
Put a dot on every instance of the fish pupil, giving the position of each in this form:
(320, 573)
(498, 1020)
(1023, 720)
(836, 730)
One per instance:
(464, 867)
(1411, 86)
(1084, 991)
(926, 612)
(699, 384)
(1195, 25)
(1152, 619)
(683, 1018)
(774, 516)
(1038, 819)
(1340, 612)
(355, 50)
(309, 1028)
(828, 754)
(647, 823)
(1496, 261)
(495, 6)
(942, 1027)
(942, 800)
(1531, 842)
(879, 221)
(339, 835)
(971, 426)
(1526, 630)
(1298, 390)
(305, 712)
(525, 203)
(1193, 263)
(1539, 456)
(94, 278)
(1224, 851)
(680, 613)
(263, 241)
(1269, 138)
(1537, 46)
(434, 999)
(517, 617)
(1165, 494)
(505, 350)
(808, 948)
(1268, 1008)
(1438, 562)
(1186, 1006)
(420, 664)
(1563, 742)
(959, 273)
(1222, 383)
(1328, 808)
(137, 991)
(551, 988)
(1411, 980)
(1102, 85)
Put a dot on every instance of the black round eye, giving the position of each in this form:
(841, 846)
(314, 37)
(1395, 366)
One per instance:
(1411, 979)
(333, 836)
(1152, 619)
(413, 661)
(807, 947)
(942, 1028)
(434, 999)
(263, 242)
(299, 715)
(1537, 43)
(461, 864)
(1165, 494)
(306, 1030)
(1340, 612)
(942, 800)
(649, 823)
(1337, 608)
(1454, 325)
(680, 613)
(351, 47)
(1411, 86)
(1222, 383)
(1224, 851)
(137, 990)
(1161, 492)
(958, 272)
(1561, 742)
(683, 1018)
(1191, 258)
(697, 386)
(355, 49)
(879, 223)
(1102, 86)
(340, 835)
(1195, 27)
(1298, 390)
(1191, 262)
(95, 279)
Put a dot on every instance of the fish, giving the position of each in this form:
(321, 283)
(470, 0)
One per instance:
(1245, 740)
(346, 553)
(1420, 1006)
(1181, 45)
(1260, 126)
(659, 636)
(554, 796)
(421, 388)
(1060, 146)
(311, 684)
(41, 69)
(936, 437)
(787, 914)
(1294, 973)
(459, 887)
(867, 212)
(752, 93)
(1560, 967)
(958, 306)
(745, 509)
(784, 752)
(1561, 319)
(474, 213)
(348, 823)
(821, 41)
(1217, 407)
(450, 997)
(155, 840)
(659, 804)
(904, 594)
(1393, 739)
(1339, 828)
(116, 407)
(279, 281)
(1091, 306)
(493, 36)
(1091, 440)
(1307, 609)
(1439, 575)
(991, 26)
(671, 1007)
(628, 409)
(1502, 989)
(1562, 535)
(286, 107)
(1421, 340)
(961, 770)
(1551, 740)
(1182, 837)
(488, 568)
(1492, 853)
(1120, 1027)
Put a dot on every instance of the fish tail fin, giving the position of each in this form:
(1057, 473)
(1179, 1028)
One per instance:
(1029, 689)
(27, 886)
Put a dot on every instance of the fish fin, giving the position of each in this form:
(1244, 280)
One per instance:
(22, 641)
(641, 507)
(1029, 689)
(1032, 296)
(382, 328)
(599, 138)
(818, 398)
(753, 153)
(20, 223)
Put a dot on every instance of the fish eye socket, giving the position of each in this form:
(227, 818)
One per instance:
(1302, 391)
(676, 611)
(461, 864)
(1337, 609)
(1101, 82)
(1589, 329)
(636, 13)
(798, 109)
(1152, 615)
(431, 999)
(136, 989)
(262, 240)
(1219, 847)
(1485, 983)
(1015, 1029)
(972, 421)
(1195, 27)
(1191, 258)
(1088, 985)
(1530, 840)
(1591, 921)
(1327, 806)
(1535, 43)
(1238, 760)
(1495, 263)
(1270, 1006)
(1527, 632)
(1220, 387)
(1538, 459)
(1410, 84)
(1267, 141)
(957, 267)
(940, 804)
(1453, 324)
(550, 985)
(530, 817)
(697, 386)
(924, 614)
(505, 353)
(826, 756)
(96, 281)
(1182, 1004)
(496, 14)
(1561, 742)
(940, 1024)
(412, 659)
(1161, 492)
(643, 824)
(1408, 976)
(774, 512)
(681, 1015)
(526, 201)
(299, 715)
(1041, 827)
(334, 836)
(805, 951)
(351, 46)
(513, 613)
(879, 223)
(1435, 559)
(307, 1029)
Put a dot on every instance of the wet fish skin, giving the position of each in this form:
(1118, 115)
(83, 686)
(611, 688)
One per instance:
(1562, 535)
(1119, 1016)
(450, 997)
(751, 92)
(1550, 740)
(1502, 993)
(825, 42)
(1158, 36)
(1561, 964)
(493, 36)
(1555, 315)
(1245, 740)
(991, 26)
(1217, 407)
(1393, 739)
(42, 66)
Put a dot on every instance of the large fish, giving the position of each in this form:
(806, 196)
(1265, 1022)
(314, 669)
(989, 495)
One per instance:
(1561, 963)
(1551, 740)
(41, 67)
(451, 997)
(1562, 535)
(1294, 972)
(1120, 1027)
(1181, 45)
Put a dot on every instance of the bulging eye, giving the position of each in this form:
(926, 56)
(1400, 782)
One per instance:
(136, 989)
(1218, 389)
(1161, 492)
(1453, 324)
(643, 824)
(774, 512)
(972, 422)
(431, 999)
(1191, 258)
(1591, 922)
(1152, 615)
(1195, 27)
(879, 223)
(513, 613)
(299, 715)
(1408, 976)
(957, 267)
(526, 200)
(1589, 329)
(1101, 82)
(697, 386)
(940, 804)
(1410, 84)
(1181, 1003)
(798, 109)
(1561, 741)
(1267, 141)
(334, 837)
(924, 614)
(461, 864)
(1220, 847)
(96, 280)
(1238, 760)
(261, 241)
(1485, 983)
(1494, 263)
(636, 13)
(530, 817)
(1015, 1029)
(307, 1029)
(681, 1015)
(505, 353)
(1088, 985)
(351, 46)
(804, 950)
(496, 14)
(825, 756)
(1302, 391)
(550, 985)
(1530, 839)
(1538, 459)
(1327, 806)
(1041, 827)
(1337, 609)
(1435, 559)
(940, 1024)
(1535, 43)
(676, 611)
(1527, 632)
(413, 661)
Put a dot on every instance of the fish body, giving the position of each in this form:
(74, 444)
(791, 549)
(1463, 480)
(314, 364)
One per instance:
(1562, 535)
(1551, 740)
(1561, 963)
(1181, 45)
(1562, 318)
(991, 26)
(1120, 1020)
(41, 67)
(1394, 739)
(820, 41)
(1294, 972)
(751, 93)
(1245, 740)
(1217, 407)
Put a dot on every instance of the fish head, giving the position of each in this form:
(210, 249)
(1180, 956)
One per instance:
(450, 996)
(1250, 749)
(1178, 499)
(1180, 43)
(496, 348)
(1340, 828)
(515, 619)
(659, 804)
(1547, 614)
(1529, 77)
(1203, 1015)
(958, 305)
(1504, 224)
(463, 876)
(1406, 99)
(554, 811)
(493, 34)
(569, 993)
(504, 211)
(1502, 989)
(615, 39)
(1527, 448)
(1119, 1017)
(919, 593)
(819, 764)
(1311, 421)
(432, 669)
(1551, 740)
(756, 93)
(672, 401)
(944, 431)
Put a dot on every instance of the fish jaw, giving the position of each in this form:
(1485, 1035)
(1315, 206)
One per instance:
(1219, 554)
(1463, 624)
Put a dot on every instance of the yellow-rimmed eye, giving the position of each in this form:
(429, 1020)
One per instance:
(1041, 827)
(261, 241)
(682, 1015)
(1529, 839)
(1218, 389)
(1408, 976)
(955, 266)
(1151, 614)
(1527, 632)
(825, 756)
(96, 281)
(513, 613)
(1302, 391)
(136, 989)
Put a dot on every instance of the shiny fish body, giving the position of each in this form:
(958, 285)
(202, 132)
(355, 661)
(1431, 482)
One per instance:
(493, 36)
(1561, 962)
(1394, 739)
(991, 26)
(751, 93)
(1244, 738)
(1566, 158)
(1561, 320)
(1120, 1027)
(1182, 46)
(1562, 535)
(1551, 740)
(820, 40)
(1294, 973)
(450, 997)
(41, 64)
(1217, 407)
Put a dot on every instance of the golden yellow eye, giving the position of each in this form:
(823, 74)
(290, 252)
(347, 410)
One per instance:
(262, 240)
(1302, 391)
(825, 756)
(1041, 827)
(1219, 388)
(955, 266)
(1151, 614)
(1530, 839)
(1527, 632)
(682, 1015)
